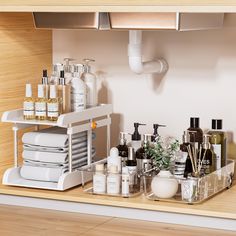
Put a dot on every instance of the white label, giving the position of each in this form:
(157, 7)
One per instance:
(53, 109)
(40, 109)
(28, 109)
(217, 151)
(99, 183)
(125, 185)
(113, 184)
(132, 174)
(78, 101)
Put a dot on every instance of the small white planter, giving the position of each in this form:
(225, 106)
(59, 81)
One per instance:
(164, 185)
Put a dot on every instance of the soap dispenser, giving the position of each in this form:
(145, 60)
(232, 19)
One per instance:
(91, 83)
(144, 161)
(78, 90)
(136, 137)
(155, 131)
(68, 69)
(123, 148)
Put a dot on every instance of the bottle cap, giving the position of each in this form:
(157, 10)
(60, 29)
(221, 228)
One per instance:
(62, 80)
(45, 77)
(216, 124)
(53, 91)
(186, 137)
(206, 141)
(67, 66)
(45, 73)
(41, 91)
(114, 152)
(147, 138)
(136, 135)
(28, 91)
(123, 138)
(194, 122)
(113, 169)
(87, 67)
(131, 155)
(99, 167)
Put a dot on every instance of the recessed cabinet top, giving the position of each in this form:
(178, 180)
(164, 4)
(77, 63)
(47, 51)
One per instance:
(118, 6)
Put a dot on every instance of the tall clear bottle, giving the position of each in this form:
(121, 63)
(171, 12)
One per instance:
(41, 104)
(45, 82)
(91, 84)
(53, 104)
(28, 105)
(219, 143)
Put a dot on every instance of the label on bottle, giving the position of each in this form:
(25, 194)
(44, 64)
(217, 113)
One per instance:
(217, 151)
(40, 109)
(53, 109)
(125, 185)
(28, 109)
(132, 174)
(78, 101)
(113, 184)
(99, 183)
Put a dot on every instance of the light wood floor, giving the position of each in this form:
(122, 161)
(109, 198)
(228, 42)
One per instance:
(21, 221)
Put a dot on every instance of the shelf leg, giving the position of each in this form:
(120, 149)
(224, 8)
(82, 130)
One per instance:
(15, 131)
(89, 145)
(108, 137)
(70, 149)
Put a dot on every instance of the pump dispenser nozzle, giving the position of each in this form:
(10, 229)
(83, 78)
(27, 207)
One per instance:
(67, 66)
(155, 131)
(136, 135)
(87, 67)
(123, 138)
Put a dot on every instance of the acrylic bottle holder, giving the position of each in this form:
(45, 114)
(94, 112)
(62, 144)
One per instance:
(87, 173)
(197, 190)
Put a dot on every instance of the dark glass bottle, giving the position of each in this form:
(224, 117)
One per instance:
(207, 157)
(218, 141)
(197, 135)
(123, 148)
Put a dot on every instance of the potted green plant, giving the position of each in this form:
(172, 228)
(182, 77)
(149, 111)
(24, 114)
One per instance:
(164, 185)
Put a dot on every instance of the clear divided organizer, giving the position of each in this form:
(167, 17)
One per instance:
(197, 190)
(132, 188)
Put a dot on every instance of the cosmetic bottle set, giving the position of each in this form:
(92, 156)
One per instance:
(115, 179)
(201, 153)
(73, 88)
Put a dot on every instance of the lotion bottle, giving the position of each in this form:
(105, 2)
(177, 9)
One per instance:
(41, 104)
(64, 94)
(53, 104)
(28, 105)
(99, 180)
(91, 84)
(78, 90)
(113, 181)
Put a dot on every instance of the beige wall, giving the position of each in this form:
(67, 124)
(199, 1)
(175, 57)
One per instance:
(24, 53)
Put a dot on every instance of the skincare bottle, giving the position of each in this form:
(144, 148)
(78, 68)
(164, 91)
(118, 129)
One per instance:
(198, 135)
(125, 181)
(99, 179)
(123, 148)
(78, 90)
(114, 159)
(218, 141)
(68, 70)
(91, 84)
(53, 104)
(54, 79)
(144, 161)
(28, 105)
(64, 94)
(41, 104)
(207, 159)
(136, 137)
(45, 82)
(155, 131)
(131, 164)
(113, 181)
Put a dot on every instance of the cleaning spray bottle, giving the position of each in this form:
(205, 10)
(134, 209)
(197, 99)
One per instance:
(136, 137)
(91, 84)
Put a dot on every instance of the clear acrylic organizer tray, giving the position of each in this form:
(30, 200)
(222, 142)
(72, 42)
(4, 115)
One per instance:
(88, 171)
(196, 190)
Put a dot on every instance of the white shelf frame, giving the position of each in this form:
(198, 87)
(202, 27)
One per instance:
(74, 122)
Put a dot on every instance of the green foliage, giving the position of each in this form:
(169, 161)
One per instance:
(163, 152)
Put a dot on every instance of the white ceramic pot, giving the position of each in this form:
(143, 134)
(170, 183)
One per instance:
(164, 185)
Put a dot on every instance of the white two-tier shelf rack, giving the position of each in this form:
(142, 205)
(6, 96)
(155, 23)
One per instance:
(74, 122)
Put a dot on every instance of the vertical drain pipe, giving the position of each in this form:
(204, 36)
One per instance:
(135, 56)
